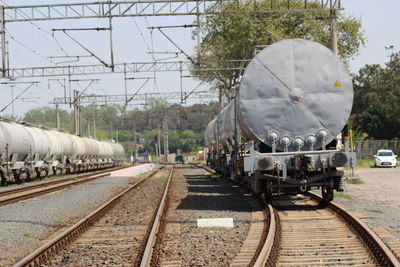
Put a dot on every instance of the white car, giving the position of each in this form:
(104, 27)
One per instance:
(385, 158)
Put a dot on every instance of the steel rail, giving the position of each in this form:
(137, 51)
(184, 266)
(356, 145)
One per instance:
(266, 249)
(381, 252)
(151, 241)
(267, 252)
(73, 232)
(31, 191)
(53, 182)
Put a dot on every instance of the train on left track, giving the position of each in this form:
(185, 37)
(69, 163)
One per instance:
(28, 151)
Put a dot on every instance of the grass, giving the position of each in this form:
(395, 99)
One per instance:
(363, 164)
(341, 195)
(27, 235)
(355, 181)
(376, 211)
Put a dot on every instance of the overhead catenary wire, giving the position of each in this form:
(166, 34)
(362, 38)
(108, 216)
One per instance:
(147, 46)
(15, 98)
(57, 43)
(28, 48)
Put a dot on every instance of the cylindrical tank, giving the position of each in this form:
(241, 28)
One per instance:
(92, 147)
(79, 146)
(68, 146)
(102, 149)
(40, 141)
(55, 144)
(295, 94)
(227, 125)
(109, 151)
(209, 134)
(119, 151)
(17, 138)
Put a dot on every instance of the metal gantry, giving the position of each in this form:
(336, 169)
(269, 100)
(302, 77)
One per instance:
(142, 98)
(139, 8)
(119, 68)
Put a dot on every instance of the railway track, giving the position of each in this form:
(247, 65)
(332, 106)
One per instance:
(311, 234)
(30, 191)
(95, 232)
(302, 232)
(257, 249)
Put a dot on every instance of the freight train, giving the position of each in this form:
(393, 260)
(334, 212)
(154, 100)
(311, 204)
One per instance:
(293, 100)
(28, 151)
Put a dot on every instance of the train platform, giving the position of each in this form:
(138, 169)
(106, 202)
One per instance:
(134, 170)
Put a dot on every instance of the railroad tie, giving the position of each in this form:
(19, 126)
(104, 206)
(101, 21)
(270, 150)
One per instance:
(172, 230)
(250, 245)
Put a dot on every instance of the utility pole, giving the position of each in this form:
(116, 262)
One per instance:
(166, 136)
(57, 118)
(94, 122)
(333, 45)
(77, 116)
(156, 144)
(159, 141)
(88, 130)
(333, 41)
(3, 42)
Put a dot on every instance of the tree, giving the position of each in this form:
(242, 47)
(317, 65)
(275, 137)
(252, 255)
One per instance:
(233, 36)
(376, 109)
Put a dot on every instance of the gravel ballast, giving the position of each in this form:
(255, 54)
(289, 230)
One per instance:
(194, 195)
(117, 238)
(378, 199)
(24, 224)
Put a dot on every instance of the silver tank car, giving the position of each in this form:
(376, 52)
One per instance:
(290, 98)
(15, 141)
(294, 98)
(28, 151)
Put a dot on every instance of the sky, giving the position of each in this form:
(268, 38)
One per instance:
(30, 44)
(380, 21)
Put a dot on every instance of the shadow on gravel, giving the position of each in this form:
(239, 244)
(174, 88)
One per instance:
(287, 203)
(206, 193)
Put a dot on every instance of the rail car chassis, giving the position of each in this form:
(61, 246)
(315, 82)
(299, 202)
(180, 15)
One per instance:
(274, 174)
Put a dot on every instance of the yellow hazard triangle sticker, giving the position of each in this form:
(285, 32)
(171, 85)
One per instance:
(337, 84)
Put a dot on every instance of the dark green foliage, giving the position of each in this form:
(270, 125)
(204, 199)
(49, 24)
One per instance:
(376, 109)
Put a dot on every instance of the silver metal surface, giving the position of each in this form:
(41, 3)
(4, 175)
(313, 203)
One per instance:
(16, 139)
(40, 142)
(227, 126)
(295, 88)
(79, 147)
(209, 135)
(55, 145)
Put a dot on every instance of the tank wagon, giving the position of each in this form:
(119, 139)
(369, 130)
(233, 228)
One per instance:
(294, 98)
(28, 151)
